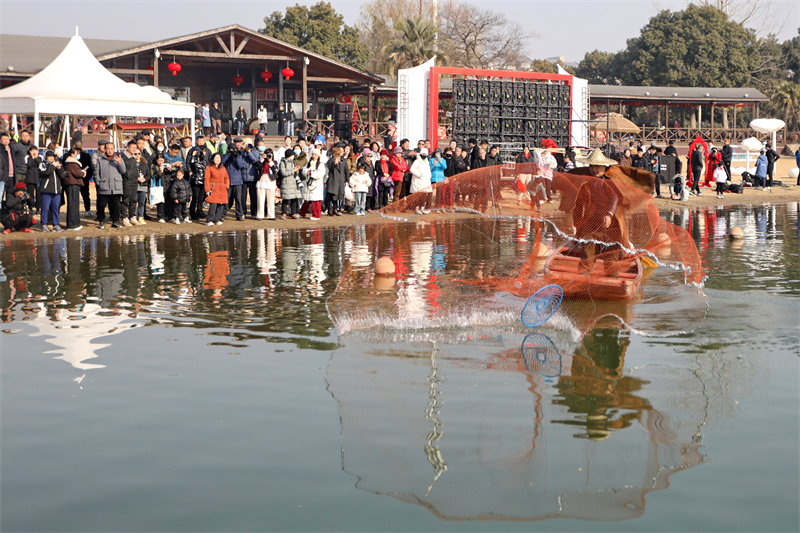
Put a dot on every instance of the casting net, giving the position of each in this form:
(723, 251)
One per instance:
(602, 240)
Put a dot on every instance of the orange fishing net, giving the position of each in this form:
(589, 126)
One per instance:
(602, 240)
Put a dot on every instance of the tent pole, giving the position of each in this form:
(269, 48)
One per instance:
(194, 132)
(36, 128)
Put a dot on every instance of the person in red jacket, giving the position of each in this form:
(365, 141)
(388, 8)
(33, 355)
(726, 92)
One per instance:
(400, 167)
(216, 186)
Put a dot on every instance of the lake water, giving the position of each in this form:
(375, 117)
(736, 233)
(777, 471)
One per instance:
(197, 383)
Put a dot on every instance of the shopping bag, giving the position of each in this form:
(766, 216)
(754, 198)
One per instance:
(156, 195)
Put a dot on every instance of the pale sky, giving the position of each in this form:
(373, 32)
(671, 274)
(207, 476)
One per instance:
(567, 28)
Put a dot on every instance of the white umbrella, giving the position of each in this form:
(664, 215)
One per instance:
(751, 144)
(768, 126)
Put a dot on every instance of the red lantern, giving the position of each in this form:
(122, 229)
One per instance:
(238, 80)
(266, 76)
(150, 68)
(287, 73)
(174, 68)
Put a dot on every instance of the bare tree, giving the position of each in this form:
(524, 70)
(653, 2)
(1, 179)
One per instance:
(481, 38)
(763, 16)
(466, 35)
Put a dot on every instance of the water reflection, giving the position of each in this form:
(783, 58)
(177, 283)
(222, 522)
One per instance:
(77, 292)
(464, 426)
(767, 257)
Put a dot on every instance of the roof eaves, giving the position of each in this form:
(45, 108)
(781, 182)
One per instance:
(207, 33)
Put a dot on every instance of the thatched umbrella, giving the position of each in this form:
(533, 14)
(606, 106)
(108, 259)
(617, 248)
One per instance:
(613, 122)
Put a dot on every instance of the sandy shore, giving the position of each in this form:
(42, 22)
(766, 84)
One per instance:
(781, 194)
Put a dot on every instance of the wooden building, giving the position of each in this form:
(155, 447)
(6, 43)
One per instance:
(237, 66)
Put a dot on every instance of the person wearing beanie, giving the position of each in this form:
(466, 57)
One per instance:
(17, 213)
(51, 186)
(399, 169)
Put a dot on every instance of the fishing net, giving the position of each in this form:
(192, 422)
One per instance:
(601, 240)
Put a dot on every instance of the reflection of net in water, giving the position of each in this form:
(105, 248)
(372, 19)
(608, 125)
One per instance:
(601, 240)
(541, 355)
(465, 429)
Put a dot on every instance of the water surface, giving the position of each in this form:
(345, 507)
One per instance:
(197, 383)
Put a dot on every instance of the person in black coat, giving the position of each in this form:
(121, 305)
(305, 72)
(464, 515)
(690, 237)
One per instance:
(772, 156)
(382, 172)
(180, 193)
(17, 216)
(34, 167)
(727, 157)
(697, 161)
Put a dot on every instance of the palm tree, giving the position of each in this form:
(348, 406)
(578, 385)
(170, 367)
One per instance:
(413, 43)
(786, 102)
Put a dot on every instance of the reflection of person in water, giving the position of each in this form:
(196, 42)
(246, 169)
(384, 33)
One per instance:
(597, 388)
(597, 213)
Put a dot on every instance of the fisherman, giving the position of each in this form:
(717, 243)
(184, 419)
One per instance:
(597, 215)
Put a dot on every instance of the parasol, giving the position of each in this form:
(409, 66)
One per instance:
(613, 122)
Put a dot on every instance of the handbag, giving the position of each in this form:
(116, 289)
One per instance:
(156, 194)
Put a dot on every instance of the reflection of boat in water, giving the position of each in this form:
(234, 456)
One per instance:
(480, 426)
(600, 279)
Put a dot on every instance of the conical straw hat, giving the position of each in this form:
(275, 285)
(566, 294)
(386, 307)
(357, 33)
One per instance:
(596, 158)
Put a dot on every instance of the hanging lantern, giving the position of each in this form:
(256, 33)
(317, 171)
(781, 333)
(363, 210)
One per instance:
(238, 80)
(174, 68)
(266, 76)
(150, 68)
(287, 73)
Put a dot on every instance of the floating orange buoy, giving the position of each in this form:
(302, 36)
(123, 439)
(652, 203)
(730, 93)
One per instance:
(384, 266)
(736, 233)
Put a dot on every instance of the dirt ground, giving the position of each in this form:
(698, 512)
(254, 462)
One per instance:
(788, 192)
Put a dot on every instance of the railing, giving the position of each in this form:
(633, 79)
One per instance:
(375, 130)
(715, 135)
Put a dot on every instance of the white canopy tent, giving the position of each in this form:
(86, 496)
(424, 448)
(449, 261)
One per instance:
(75, 83)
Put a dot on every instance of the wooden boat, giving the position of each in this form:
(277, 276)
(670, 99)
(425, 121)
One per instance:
(617, 282)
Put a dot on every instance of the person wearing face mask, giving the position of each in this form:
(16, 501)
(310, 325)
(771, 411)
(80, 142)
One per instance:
(421, 179)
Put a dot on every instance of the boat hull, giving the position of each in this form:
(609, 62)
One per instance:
(616, 281)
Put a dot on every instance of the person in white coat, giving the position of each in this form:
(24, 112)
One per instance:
(262, 118)
(360, 184)
(315, 172)
(421, 179)
(267, 185)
